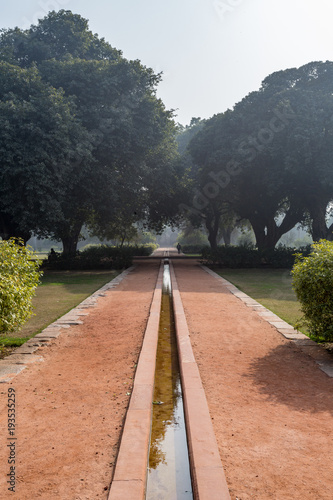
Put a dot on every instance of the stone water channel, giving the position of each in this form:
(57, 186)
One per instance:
(168, 469)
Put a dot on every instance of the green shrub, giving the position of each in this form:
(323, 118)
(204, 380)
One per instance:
(248, 256)
(192, 249)
(143, 250)
(232, 256)
(101, 257)
(313, 284)
(19, 277)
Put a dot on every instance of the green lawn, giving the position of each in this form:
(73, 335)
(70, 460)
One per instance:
(271, 287)
(59, 292)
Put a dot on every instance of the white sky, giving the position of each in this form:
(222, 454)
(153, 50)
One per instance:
(212, 52)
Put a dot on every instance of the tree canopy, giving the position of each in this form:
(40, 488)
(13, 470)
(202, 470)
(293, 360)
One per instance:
(40, 140)
(119, 135)
(269, 159)
(85, 140)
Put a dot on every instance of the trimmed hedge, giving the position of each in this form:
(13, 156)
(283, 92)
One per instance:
(313, 284)
(192, 249)
(100, 257)
(251, 257)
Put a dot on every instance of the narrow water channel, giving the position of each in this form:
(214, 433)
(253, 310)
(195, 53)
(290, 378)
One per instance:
(169, 471)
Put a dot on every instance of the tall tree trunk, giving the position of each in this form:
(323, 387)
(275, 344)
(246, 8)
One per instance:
(330, 233)
(226, 234)
(70, 240)
(212, 225)
(268, 233)
(258, 226)
(319, 229)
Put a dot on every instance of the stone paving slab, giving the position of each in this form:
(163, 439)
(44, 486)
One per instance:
(268, 313)
(327, 368)
(22, 359)
(51, 334)
(294, 336)
(279, 324)
(27, 349)
(69, 322)
(320, 356)
(9, 370)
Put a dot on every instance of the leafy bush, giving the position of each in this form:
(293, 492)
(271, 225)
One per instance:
(19, 277)
(313, 284)
(192, 249)
(248, 256)
(144, 250)
(101, 257)
(192, 236)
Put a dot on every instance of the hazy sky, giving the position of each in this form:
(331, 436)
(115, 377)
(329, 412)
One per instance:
(212, 52)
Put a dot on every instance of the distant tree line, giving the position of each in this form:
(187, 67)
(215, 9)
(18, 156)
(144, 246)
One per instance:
(83, 138)
(268, 161)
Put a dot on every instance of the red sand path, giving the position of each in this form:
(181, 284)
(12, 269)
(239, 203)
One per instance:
(272, 408)
(71, 407)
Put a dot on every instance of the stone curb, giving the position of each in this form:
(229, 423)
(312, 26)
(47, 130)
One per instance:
(16, 362)
(308, 346)
(208, 478)
(130, 474)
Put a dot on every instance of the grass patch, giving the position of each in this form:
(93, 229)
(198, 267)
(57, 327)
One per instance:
(59, 292)
(271, 287)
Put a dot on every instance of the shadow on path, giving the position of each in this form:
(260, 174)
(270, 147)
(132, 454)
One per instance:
(289, 383)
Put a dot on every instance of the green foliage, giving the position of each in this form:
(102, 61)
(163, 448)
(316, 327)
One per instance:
(250, 257)
(82, 132)
(19, 277)
(193, 249)
(146, 237)
(269, 159)
(60, 35)
(192, 236)
(101, 257)
(313, 284)
(40, 141)
(186, 134)
(13, 341)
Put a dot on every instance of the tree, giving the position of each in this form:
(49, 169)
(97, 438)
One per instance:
(213, 193)
(115, 102)
(309, 146)
(40, 139)
(269, 158)
(60, 35)
(185, 134)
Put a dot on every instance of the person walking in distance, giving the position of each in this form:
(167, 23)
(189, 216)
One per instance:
(179, 247)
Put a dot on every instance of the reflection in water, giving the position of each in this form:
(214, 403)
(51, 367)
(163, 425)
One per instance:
(168, 473)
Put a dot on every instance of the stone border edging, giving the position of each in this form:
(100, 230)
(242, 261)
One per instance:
(12, 365)
(308, 346)
(130, 474)
(208, 478)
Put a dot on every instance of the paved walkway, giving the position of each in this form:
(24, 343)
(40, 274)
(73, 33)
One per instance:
(271, 406)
